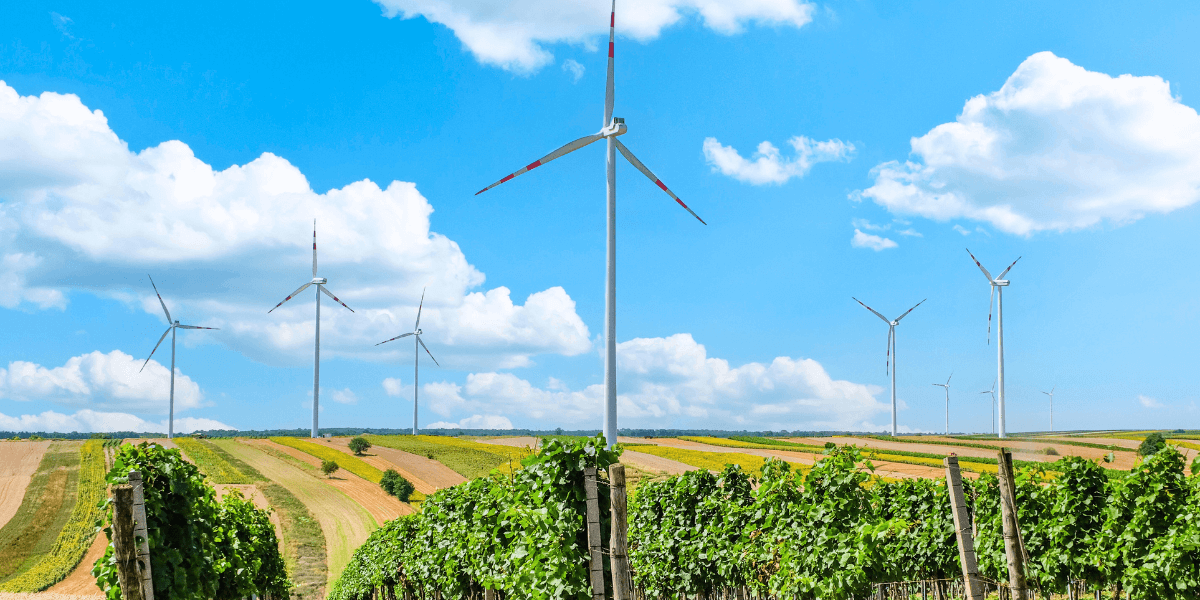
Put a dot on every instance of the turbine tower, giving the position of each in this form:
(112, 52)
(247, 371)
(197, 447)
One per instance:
(320, 283)
(1051, 394)
(998, 284)
(171, 327)
(416, 332)
(993, 412)
(947, 386)
(891, 349)
(611, 128)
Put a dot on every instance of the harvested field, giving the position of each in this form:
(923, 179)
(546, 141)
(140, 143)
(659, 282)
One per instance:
(382, 506)
(1130, 444)
(1033, 451)
(45, 509)
(18, 462)
(345, 524)
(516, 442)
(426, 475)
(655, 464)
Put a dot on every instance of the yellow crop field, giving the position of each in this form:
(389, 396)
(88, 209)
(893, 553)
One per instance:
(348, 462)
(714, 461)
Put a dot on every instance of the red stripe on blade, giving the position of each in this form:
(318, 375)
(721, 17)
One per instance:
(659, 183)
(533, 165)
(506, 178)
(610, 49)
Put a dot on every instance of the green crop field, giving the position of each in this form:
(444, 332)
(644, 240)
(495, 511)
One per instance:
(44, 511)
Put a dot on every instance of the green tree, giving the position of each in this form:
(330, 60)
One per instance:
(1153, 443)
(395, 484)
(359, 444)
(328, 467)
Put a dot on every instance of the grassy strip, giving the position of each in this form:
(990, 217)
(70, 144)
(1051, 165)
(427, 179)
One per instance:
(713, 461)
(45, 508)
(1108, 447)
(467, 458)
(210, 463)
(346, 461)
(76, 537)
(301, 535)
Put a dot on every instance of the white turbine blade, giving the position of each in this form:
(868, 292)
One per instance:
(164, 336)
(1008, 269)
(949, 378)
(335, 298)
(909, 310)
(290, 296)
(991, 299)
(985, 271)
(571, 147)
(633, 160)
(885, 320)
(427, 350)
(419, 307)
(395, 338)
(888, 364)
(196, 327)
(609, 89)
(160, 300)
(314, 247)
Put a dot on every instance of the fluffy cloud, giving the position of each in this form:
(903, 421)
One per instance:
(80, 207)
(767, 165)
(511, 35)
(100, 380)
(666, 382)
(574, 68)
(392, 387)
(475, 422)
(1148, 402)
(1058, 148)
(92, 421)
(344, 396)
(874, 242)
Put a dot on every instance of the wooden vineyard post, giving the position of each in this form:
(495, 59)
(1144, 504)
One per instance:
(140, 532)
(128, 576)
(972, 585)
(593, 533)
(617, 546)
(1013, 548)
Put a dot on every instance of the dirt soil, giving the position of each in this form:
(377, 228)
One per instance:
(655, 464)
(18, 462)
(516, 442)
(426, 475)
(80, 583)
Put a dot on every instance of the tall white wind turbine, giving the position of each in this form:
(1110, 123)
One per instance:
(1051, 394)
(891, 349)
(947, 386)
(416, 333)
(998, 284)
(612, 127)
(320, 283)
(171, 327)
(993, 411)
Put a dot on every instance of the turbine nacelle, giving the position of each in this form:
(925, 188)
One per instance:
(323, 281)
(1000, 282)
(617, 127)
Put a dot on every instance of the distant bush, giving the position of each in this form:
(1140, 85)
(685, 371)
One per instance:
(1049, 451)
(329, 467)
(395, 484)
(359, 444)
(1153, 443)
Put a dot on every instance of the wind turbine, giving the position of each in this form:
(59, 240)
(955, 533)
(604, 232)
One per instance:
(612, 127)
(1051, 394)
(171, 327)
(416, 332)
(320, 283)
(998, 284)
(993, 412)
(947, 386)
(891, 349)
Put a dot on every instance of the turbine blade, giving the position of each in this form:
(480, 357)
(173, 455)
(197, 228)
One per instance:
(609, 90)
(991, 299)
(909, 310)
(419, 307)
(872, 310)
(1005, 272)
(164, 336)
(888, 364)
(427, 350)
(949, 378)
(196, 327)
(571, 147)
(335, 298)
(290, 296)
(633, 160)
(985, 271)
(160, 300)
(395, 338)
(314, 247)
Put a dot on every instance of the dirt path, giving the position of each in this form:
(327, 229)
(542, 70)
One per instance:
(426, 475)
(655, 464)
(80, 583)
(18, 462)
(346, 524)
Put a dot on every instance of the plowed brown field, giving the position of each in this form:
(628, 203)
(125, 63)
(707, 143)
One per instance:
(18, 462)
(427, 475)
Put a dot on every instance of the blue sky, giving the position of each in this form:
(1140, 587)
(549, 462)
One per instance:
(899, 134)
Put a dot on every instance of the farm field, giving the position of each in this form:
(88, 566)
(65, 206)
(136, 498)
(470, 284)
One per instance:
(44, 510)
(427, 475)
(18, 462)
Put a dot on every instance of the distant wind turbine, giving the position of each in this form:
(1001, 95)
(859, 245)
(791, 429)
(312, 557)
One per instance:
(171, 327)
(998, 284)
(947, 386)
(612, 127)
(320, 283)
(891, 349)
(416, 332)
(1051, 394)
(993, 412)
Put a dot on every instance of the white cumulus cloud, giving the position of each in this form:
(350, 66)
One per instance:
(88, 420)
(874, 242)
(392, 387)
(1057, 148)
(768, 165)
(113, 380)
(1148, 402)
(513, 35)
(344, 396)
(81, 212)
(475, 422)
(573, 67)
